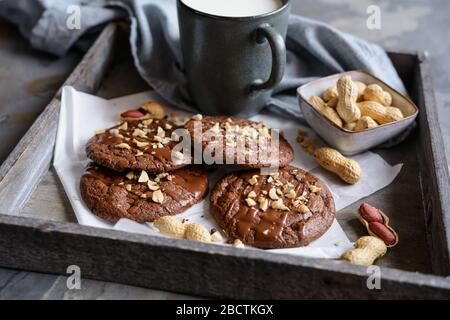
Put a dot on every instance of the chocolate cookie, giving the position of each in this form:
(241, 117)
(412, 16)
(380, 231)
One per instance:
(289, 208)
(241, 141)
(141, 197)
(139, 145)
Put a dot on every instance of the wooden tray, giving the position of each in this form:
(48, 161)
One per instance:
(38, 230)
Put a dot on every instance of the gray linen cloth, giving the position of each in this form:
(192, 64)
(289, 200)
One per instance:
(315, 49)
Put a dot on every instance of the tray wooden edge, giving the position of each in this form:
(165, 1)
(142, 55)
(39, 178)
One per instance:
(434, 174)
(196, 268)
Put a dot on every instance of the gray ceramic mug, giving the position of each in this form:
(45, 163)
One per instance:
(233, 63)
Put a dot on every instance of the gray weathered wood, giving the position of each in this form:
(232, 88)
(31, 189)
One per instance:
(49, 201)
(201, 269)
(30, 160)
(435, 181)
(221, 271)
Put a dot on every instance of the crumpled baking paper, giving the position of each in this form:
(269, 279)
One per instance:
(82, 114)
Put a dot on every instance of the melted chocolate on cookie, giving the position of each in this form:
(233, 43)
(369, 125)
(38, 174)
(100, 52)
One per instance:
(140, 145)
(140, 196)
(287, 209)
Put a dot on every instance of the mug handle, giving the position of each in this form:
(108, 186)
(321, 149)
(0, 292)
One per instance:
(278, 48)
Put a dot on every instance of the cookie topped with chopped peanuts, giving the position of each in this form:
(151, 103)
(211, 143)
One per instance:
(289, 208)
(139, 145)
(139, 195)
(233, 140)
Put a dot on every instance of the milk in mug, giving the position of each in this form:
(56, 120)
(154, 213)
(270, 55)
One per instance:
(234, 8)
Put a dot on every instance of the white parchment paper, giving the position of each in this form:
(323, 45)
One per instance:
(82, 114)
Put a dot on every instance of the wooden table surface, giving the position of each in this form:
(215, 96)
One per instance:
(29, 79)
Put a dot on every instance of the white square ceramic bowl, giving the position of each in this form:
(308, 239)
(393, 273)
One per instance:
(349, 142)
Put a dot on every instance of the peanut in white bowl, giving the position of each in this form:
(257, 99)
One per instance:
(351, 142)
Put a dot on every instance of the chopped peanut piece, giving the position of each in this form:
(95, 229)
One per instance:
(263, 203)
(253, 180)
(143, 177)
(123, 146)
(238, 244)
(252, 194)
(140, 144)
(273, 194)
(152, 185)
(158, 196)
(278, 204)
(250, 202)
(303, 209)
(314, 189)
(123, 126)
(216, 237)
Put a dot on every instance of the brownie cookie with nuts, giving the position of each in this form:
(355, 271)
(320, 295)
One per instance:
(140, 145)
(139, 196)
(241, 141)
(289, 208)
